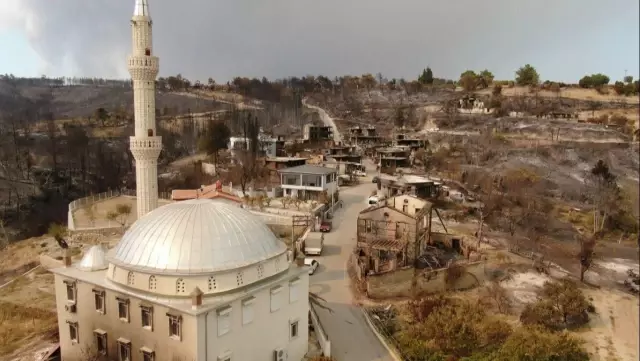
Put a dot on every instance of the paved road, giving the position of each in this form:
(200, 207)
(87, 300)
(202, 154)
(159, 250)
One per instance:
(350, 335)
(326, 119)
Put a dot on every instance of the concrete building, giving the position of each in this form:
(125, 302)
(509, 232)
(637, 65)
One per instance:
(276, 164)
(419, 186)
(309, 181)
(200, 280)
(312, 133)
(363, 135)
(145, 145)
(392, 234)
(404, 140)
(273, 146)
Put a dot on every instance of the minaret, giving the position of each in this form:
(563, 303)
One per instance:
(145, 145)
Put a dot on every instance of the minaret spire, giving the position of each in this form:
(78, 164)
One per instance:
(145, 145)
(142, 8)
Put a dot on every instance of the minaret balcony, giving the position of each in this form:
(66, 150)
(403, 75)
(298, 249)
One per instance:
(145, 147)
(143, 67)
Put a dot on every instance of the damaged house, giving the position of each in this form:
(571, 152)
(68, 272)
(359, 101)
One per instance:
(398, 250)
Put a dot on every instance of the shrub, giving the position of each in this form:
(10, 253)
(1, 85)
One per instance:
(560, 305)
(535, 343)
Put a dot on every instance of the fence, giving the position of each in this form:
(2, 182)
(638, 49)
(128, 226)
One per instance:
(323, 338)
(95, 198)
(379, 329)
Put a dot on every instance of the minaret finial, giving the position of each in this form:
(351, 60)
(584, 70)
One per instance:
(142, 8)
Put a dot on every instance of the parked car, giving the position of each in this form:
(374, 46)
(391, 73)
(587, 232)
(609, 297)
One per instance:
(359, 173)
(312, 264)
(325, 226)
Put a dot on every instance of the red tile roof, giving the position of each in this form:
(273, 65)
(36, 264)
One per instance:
(207, 192)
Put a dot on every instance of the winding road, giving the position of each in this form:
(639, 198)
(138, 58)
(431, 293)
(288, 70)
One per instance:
(351, 337)
(326, 119)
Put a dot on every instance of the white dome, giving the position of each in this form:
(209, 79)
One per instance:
(194, 237)
(94, 259)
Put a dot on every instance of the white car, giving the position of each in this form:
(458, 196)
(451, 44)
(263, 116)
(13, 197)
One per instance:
(359, 173)
(312, 263)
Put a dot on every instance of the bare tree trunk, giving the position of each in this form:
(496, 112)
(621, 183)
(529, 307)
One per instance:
(480, 231)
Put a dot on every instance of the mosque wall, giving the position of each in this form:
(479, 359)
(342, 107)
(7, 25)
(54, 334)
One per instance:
(91, 322)
(269, 329)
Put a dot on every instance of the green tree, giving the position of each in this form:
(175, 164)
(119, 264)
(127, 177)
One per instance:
(527, 76)
(485, 78)
(559, 305)
(535, 343)
(593, 81)
(216, 137)
(426, 77)
(469, 80)
(628, 79)
(101, 114)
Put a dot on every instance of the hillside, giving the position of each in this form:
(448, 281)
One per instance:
(80, 101)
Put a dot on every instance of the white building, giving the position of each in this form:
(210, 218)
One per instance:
(201, 280)
(308, 181)
(145, 145)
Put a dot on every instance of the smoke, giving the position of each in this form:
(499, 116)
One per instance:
(278, 38)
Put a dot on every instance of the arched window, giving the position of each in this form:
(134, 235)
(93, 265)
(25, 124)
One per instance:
(180, 285)
(147, 52)
(130, 278)
(212, 283)
(152, 282)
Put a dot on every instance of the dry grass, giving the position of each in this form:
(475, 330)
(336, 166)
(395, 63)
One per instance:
(21, 324)
(571, 93)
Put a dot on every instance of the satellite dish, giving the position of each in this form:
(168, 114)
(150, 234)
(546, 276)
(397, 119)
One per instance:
(61, 242)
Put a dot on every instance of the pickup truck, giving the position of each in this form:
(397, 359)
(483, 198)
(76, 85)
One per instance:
(314, 243)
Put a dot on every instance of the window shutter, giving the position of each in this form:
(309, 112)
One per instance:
(293, 291)
(247, 313)
(224, 321)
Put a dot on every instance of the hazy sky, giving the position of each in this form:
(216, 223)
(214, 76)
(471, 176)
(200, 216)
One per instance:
(563, 39)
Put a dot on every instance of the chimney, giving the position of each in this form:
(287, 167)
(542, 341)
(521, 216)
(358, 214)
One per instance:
(66, 257)
(196, 298)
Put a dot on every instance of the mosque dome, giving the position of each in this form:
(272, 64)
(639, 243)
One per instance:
(196, 237)
(94, 259)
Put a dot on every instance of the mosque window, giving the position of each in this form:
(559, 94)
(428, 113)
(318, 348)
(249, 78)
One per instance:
(260, 271)
(211, 283)
(175, 326)
(147, 52)
(130, 278)
(180, 285)
(150, 132)
(239, 279)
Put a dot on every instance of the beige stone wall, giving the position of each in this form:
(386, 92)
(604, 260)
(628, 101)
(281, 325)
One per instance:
(88, 320)
(399, 283)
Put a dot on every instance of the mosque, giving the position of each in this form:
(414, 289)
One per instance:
(198, 280)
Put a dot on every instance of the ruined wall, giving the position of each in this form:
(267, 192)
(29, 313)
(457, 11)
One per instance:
(398, 283)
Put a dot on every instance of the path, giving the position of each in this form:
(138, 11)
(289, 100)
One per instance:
(326, 119)
(351, 337)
